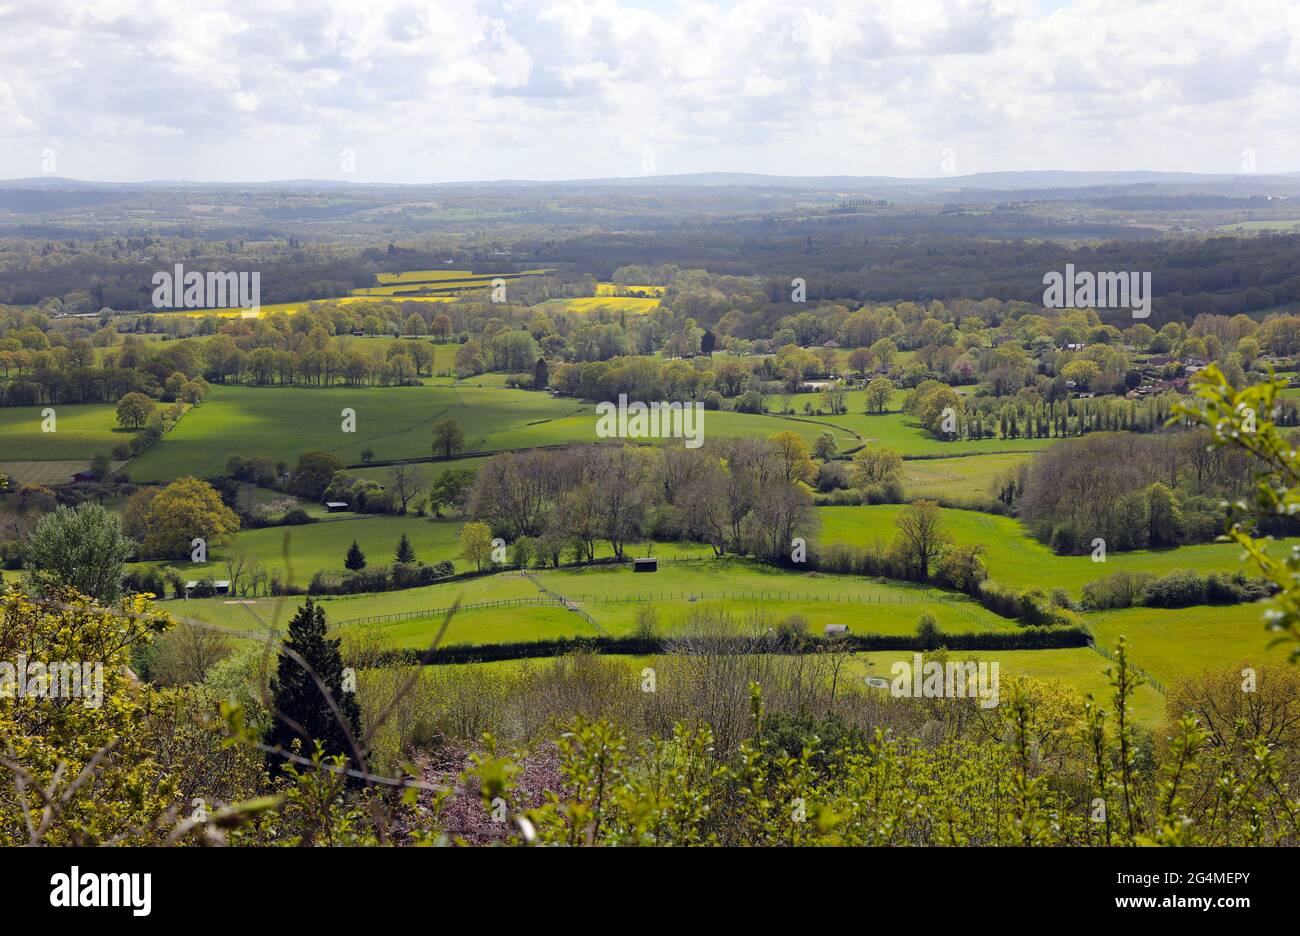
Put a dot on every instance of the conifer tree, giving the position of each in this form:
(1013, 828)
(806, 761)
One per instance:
(405, 552)
(356, 560)
(299, 698)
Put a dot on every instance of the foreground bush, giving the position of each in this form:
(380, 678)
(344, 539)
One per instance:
(699, 748)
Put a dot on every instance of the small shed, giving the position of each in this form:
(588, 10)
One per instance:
(835, 630)
(336, 506)
(83, 477)
(219, 587)
(645, 565)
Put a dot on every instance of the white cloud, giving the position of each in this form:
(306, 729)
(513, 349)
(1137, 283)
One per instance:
(469, 89)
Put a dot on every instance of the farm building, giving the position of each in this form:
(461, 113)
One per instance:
(336, 506)
(219, 587)
(645, 565)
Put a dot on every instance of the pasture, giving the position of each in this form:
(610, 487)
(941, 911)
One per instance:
(905, 435)
(1016, 559)
(297, 552)
(756, 596)
(395, 422)
(44, 472)
(1080, 667)
(80, 431)
(965, 479)
(1177, 643)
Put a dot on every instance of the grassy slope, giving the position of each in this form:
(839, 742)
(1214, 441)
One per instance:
(604, 593)
(967, 479)
(396, 422)
(1175, 643)
(324, 545)
(81, 431)
(1016, 559)
(1082, 668)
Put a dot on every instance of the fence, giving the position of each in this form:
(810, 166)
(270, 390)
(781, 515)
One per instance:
(1147, 677)
(762, 596)
(439, 612)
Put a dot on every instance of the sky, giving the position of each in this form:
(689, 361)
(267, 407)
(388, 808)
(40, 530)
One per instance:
(462, 90)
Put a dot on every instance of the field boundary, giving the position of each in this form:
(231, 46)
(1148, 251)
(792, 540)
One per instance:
(554, 599)
(1101, 651)
(686, 645)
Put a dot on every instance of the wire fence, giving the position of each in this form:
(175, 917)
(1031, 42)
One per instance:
(1147, 677)
(543, 600)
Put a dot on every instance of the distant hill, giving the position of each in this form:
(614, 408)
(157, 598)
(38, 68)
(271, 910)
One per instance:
(1031, 180)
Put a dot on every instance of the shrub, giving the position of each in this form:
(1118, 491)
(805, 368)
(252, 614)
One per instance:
(793, 630)
(647, 623)
(375, 579)
(145, 580)
(1178, 589)
(884, 492)
(928, 632)
(1121, 590)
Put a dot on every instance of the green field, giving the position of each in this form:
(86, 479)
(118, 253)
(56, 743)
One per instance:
(612, 597)
(1082, 668)
(894, 429)
(967, 480)
(905, 435)
(324, 545)
(1176, 643)
(428, 471)
(44, 472)
(1285, 225)
(80, 431)
(1016, 559)
(396, 422)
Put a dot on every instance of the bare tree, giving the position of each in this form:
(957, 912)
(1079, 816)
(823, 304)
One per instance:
(187, 653)
(921, 536)
(236, 566)
(405, 482)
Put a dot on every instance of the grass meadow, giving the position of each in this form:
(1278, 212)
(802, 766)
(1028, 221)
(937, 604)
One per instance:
(1080, 667)
(395, 422)
(965, 479)
(1177, 643)
(80, 431)
(1016, 559)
